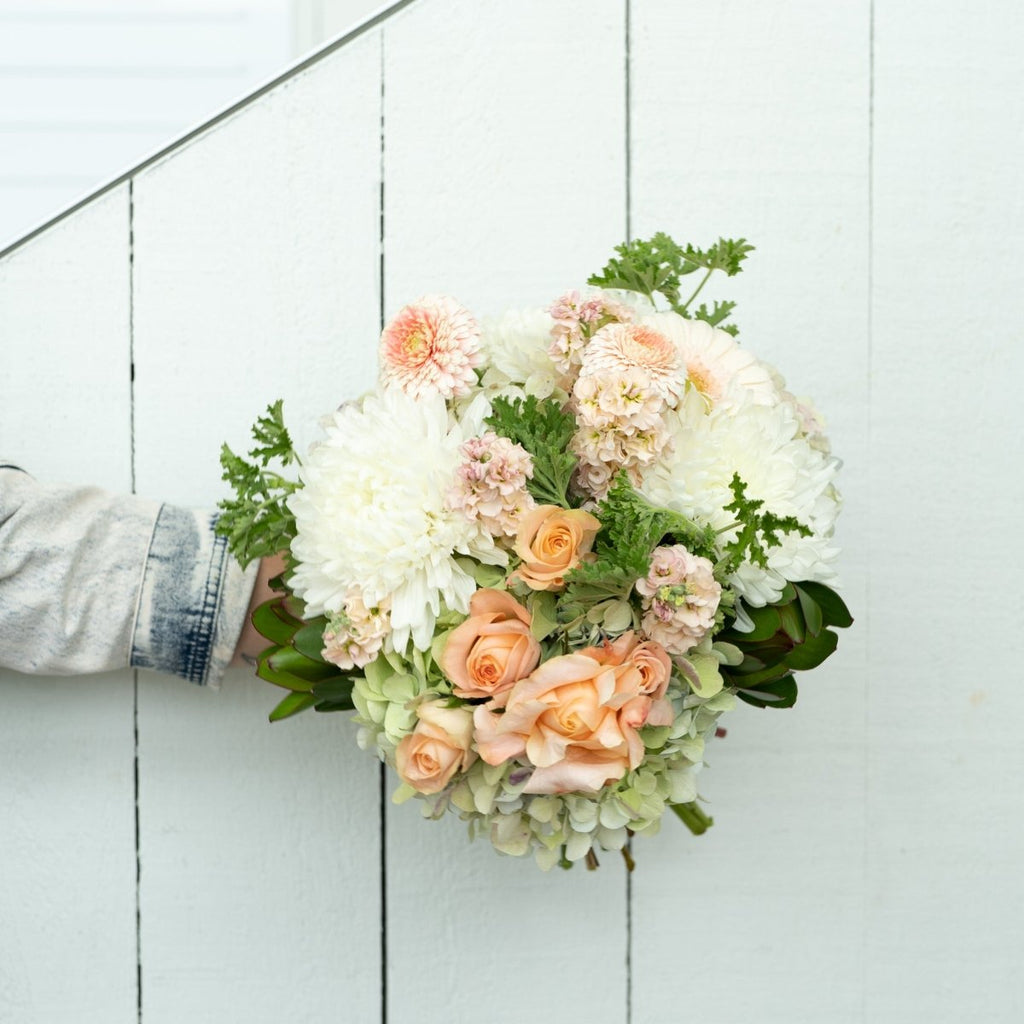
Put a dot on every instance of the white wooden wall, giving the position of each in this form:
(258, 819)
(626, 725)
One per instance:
(865, 864)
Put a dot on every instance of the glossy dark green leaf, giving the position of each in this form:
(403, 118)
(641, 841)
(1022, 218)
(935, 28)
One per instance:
(287, 659)
(337, 688)
(812, 611)
(292, 705)
(780, 694)
(334, 705)
(832, 605)
(766, 624)
(792, 622)
(813, 652)
(270, 624)
(309, 640)
(755, 680)
(267, 671)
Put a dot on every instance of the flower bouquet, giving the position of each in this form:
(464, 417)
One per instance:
(548, 551)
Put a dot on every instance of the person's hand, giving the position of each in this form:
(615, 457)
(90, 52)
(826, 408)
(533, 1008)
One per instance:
(251, 643)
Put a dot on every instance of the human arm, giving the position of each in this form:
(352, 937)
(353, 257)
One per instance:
(92, 581)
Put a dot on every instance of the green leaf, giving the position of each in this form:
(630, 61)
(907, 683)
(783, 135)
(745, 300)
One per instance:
(813, 651)
(756, 531)
(545, 430)
(792, 622)
(270, 624)
(290, 661)
(266, 670)
(309, 640)
(257, 521)
(334, 705)
(292, 705)
(833, 607)
(336, 689)
(780, 694)
(544, 614)
(766, 625)
(812, 611)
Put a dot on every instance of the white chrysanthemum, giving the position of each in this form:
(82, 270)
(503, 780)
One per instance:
(714, 363)
(516, 351)
(372, 513)
(764, 445)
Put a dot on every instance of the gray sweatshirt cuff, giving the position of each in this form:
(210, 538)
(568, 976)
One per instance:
(193, 599)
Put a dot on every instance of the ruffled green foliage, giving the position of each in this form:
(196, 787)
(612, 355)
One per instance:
(757, 531)
(793, 635)
(544, 429)
(657, 265)
(631, 528)
(257, 521)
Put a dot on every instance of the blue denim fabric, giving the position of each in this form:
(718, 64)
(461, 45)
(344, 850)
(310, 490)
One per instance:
(92, 582)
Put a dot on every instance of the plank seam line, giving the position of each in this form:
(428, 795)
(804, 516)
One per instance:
(135, 672)
(867, 582)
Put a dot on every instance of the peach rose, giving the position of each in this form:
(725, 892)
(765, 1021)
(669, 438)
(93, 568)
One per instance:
(575, 718)
(492, 649)
(439, 746)
(551, 541)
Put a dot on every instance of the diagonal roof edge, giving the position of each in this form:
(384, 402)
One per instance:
(290, 71)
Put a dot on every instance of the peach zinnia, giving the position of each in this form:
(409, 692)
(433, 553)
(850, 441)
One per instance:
(431, 347)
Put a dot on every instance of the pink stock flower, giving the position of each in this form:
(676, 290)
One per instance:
(491, 483)
(431, 347)
(681, 598)
(576, 319)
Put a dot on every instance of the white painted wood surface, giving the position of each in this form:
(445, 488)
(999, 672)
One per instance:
(67, 804)
(256, 277)
(864, 865)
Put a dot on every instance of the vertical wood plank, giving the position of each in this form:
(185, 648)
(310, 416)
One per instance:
(752, 120)
(945, 930)
(256, 270)
(504, 186)
(67, 841)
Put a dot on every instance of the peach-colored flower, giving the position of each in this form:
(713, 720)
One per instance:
(492, 649)
(575, 718)
(619, 347)
(431, 347)
(439, 746)
(550, 542)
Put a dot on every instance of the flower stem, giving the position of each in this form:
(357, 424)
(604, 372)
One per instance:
(693, 817)
(704, 280)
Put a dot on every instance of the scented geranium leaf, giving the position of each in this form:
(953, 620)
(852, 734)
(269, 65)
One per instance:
(257, 521)
(756, 531)
(715, 315)
(545, 430)
(631, 528)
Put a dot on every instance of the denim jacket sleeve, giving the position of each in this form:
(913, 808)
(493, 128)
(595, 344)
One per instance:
(92, 582)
